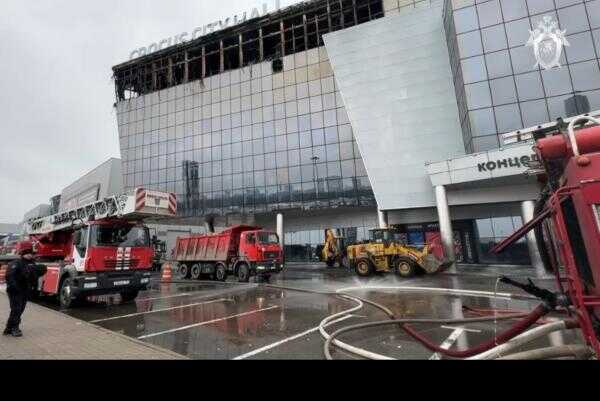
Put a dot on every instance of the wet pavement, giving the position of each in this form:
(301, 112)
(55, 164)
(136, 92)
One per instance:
(206, 320)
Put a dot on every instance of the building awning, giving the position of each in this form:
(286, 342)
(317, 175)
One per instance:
(497, 167)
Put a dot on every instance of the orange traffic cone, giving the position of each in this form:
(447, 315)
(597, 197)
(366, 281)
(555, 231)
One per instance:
(167, 273)
(3, 274)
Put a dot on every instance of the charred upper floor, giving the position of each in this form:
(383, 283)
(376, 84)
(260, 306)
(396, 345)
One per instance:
(295, 29)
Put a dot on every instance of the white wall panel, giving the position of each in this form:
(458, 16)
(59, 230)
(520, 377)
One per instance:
(395, 78)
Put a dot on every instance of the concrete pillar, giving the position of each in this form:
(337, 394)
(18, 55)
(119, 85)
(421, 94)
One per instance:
(383, 219)
(528, 214)
(281, 233)
(445, 224)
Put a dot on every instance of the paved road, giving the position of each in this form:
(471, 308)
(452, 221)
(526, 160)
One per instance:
(203, 320)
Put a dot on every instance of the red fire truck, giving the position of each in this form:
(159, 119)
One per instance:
(242, 251)
(567, 222)
(8, 245)
(98, 249)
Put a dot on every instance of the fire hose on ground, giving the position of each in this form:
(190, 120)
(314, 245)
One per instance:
(513, 338)
(508, 340)
(580, 352)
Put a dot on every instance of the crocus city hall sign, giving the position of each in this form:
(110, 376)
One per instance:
(206, 29)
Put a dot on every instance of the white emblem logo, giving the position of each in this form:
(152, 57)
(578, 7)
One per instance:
(547, 41)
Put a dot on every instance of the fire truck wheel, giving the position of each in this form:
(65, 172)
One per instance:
(364, 267)
(65, 294)
(129, 296)
(184, 271)
(221, 273)
(405, 267)
(244, 273)
(196, 272)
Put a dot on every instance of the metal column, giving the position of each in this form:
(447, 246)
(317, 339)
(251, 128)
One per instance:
(281, 234)
(445, 224)
(383, 219)
(528, 214)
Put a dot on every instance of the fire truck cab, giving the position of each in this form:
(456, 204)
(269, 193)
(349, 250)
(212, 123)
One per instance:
(99, 249)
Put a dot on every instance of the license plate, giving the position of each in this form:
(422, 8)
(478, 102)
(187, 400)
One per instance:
(121, 283)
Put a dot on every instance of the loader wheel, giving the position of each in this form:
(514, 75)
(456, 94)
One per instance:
(221, 273)
(364, 267)
(330, 263)
(184, 271)
(344, 262)
(196, 272)
(405, 267)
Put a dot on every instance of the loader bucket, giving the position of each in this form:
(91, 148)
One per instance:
(433, 265)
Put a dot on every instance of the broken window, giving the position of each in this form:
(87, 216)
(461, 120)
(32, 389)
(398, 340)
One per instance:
(301, 28)
(251, 47)
(213, 59)
(349, 13)
(178, 66)
(231, 53)
(162, 74)
(277, 65)
(195, 64)
(272, 41)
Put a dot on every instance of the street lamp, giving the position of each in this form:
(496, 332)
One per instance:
(316, 175)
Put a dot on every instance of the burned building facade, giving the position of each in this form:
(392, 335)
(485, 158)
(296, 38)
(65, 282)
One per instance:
(330, 111)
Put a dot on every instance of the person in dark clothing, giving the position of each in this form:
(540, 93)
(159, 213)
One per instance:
(20, 278)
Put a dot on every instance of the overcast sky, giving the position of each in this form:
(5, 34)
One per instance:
(56, 109)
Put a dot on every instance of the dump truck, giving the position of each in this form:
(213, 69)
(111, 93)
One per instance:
(241, 251)
(100, 248)
(385, 253)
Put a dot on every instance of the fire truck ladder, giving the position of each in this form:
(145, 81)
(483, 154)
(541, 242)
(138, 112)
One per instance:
(529, 134)
(110, 207)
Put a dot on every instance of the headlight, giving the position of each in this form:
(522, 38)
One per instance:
(145, 281)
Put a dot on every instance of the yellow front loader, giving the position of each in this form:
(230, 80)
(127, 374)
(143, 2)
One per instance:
(385, 253)
(334, 250)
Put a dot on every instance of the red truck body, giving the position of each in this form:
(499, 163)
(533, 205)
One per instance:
(8, 245)
(111, 256)
(98, 249)
(567, 222)
(243, 251)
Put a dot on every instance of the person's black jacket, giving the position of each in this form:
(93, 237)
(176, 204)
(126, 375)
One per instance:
(22, 275)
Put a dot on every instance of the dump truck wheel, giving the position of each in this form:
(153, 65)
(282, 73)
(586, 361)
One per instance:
(221, 273)
(184, 271)
(244, 273)
(364, 267)
(406, 268)
(196, 272)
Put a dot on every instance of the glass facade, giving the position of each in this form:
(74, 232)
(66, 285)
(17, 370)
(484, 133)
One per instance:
(492, 231)
(247, 121)
(247, 141)
(499, 88)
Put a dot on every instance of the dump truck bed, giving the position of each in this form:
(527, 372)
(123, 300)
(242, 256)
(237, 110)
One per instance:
(219, 247)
